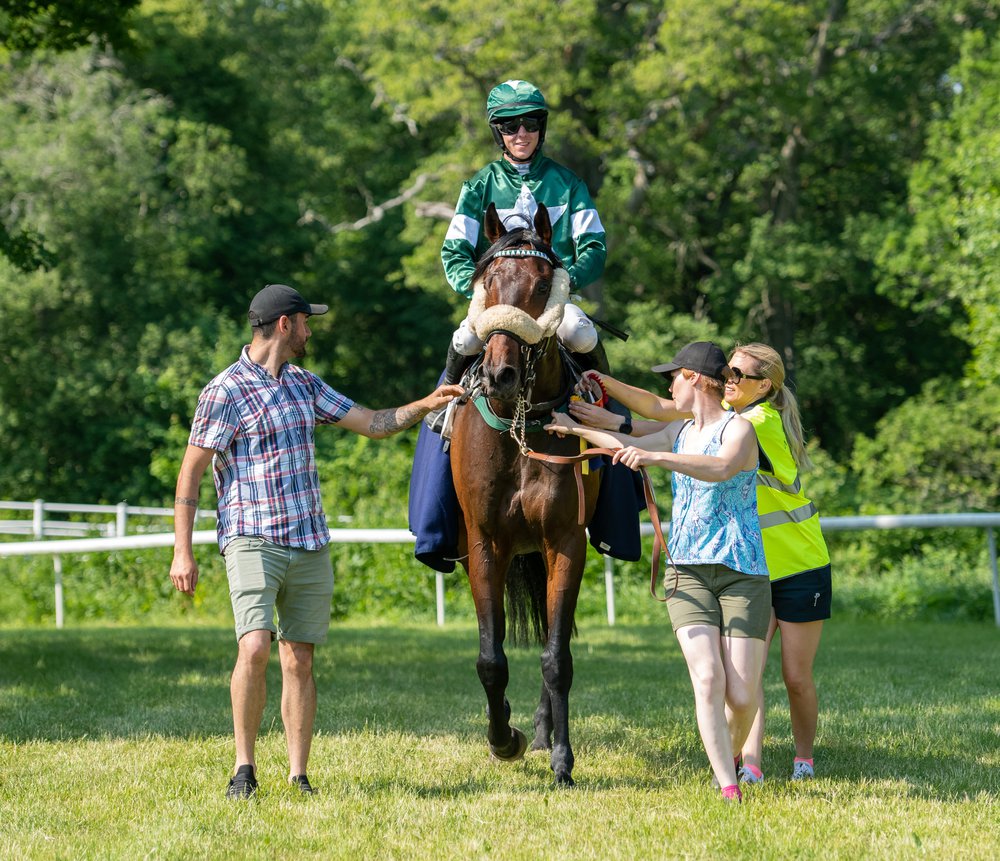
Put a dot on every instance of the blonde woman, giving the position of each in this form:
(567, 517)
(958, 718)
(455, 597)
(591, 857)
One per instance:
(797, 556)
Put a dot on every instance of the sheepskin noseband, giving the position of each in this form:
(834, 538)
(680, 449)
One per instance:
(508, 318)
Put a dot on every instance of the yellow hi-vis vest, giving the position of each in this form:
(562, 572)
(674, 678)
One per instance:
(789, 522)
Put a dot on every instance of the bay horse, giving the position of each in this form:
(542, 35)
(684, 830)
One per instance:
(524, 517)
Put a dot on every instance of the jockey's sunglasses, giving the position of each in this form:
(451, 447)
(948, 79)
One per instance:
(510, 125)
(738, 376)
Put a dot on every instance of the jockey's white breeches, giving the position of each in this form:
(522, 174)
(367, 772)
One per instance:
(576, 332)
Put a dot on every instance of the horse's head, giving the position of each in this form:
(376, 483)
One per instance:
(520, 290)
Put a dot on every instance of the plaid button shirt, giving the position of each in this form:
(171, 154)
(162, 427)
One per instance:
(262, 430)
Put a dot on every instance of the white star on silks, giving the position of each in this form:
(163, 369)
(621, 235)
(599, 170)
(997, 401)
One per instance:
(522, 214)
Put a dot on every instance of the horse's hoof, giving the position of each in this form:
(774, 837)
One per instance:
(540, 745)
(515, 750)
(564, 781)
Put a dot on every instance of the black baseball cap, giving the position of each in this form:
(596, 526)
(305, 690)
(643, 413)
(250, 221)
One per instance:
(702, 357)
(279, 300)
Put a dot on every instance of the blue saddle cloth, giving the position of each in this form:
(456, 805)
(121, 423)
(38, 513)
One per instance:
(434, 511)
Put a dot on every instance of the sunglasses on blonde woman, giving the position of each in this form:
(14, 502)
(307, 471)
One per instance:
(739, 376)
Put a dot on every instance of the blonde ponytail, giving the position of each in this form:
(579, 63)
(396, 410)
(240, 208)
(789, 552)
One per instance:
(769, 365)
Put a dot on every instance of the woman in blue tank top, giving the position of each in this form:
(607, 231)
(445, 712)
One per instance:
(721, 607)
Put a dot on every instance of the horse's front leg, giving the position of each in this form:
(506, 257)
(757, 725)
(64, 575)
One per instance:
(487, 573)
(565, 566)
(543, 721)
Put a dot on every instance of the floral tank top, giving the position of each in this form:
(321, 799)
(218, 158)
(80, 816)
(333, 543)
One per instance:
(716, 523)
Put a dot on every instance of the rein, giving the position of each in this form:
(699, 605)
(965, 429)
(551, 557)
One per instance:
(659, 543)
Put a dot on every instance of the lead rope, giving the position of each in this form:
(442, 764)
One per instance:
(659, 543)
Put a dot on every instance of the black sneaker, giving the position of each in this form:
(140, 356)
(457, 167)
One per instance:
(243, 784)
(302, 782)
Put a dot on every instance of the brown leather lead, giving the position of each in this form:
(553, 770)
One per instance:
(659, 543)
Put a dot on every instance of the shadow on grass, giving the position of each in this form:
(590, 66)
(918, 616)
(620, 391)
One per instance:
(885, 715)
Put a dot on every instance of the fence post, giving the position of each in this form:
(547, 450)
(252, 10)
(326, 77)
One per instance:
(38, 519)
(439, 589)
(121, 518)
(609, 588)
(57, 565)
(991, 543)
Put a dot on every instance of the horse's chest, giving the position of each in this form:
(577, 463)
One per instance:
(511, 502)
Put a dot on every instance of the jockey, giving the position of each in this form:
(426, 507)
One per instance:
(516, 183)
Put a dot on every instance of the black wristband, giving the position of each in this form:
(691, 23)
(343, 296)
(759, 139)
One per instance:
(626, 426)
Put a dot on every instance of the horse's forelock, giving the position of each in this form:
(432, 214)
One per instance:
(520, 236)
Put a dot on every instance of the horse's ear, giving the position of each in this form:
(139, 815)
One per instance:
(543, 227)
(494, 226)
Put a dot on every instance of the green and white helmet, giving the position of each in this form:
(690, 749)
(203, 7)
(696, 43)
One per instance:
(516, 99)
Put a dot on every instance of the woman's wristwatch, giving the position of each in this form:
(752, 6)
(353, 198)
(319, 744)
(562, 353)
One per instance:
(626, 426)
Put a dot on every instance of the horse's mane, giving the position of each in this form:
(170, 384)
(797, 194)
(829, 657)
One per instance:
(520, 236)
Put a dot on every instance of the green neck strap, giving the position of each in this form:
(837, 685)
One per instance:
(501, 424)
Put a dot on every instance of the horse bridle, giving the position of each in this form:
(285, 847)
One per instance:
(531, 354)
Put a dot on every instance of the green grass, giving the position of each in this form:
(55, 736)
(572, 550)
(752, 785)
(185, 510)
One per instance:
(115, 742)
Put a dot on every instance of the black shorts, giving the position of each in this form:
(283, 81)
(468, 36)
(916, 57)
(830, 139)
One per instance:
(803, 597)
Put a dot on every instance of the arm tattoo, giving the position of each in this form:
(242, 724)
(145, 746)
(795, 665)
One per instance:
(186, 500)
(395, 420)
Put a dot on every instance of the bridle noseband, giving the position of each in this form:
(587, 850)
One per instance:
(532, 350)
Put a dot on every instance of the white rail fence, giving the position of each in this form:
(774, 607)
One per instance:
(117, 538)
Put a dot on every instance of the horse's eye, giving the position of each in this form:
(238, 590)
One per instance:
(544, 287)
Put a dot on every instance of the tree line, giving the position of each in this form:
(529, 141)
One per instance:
(822, 176)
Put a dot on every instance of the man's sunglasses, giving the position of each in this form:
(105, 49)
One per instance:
(738, 376)
(511, 125)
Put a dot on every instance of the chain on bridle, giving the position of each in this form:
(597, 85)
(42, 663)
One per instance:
(531, 354)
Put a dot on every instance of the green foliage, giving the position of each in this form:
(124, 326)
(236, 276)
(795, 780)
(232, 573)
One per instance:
(29, 24)
(947, 248)
(821, 176)
(941, 576)
(936, 452)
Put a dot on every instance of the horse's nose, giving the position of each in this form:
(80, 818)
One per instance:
(502, 381)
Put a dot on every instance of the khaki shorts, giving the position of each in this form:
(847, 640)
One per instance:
(264, 577)
(738, 604)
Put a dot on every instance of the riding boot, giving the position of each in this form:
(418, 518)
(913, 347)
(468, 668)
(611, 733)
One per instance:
(453, 369)
(596, 359)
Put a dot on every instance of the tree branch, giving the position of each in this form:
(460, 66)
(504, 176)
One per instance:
(399, 115)
(376, 211)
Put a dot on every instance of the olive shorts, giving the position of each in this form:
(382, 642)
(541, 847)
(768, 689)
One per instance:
(264, 577)
(738, 604)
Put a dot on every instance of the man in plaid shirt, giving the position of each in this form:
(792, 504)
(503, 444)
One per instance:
(255, 423)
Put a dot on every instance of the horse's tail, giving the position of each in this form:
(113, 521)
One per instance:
(526, 600)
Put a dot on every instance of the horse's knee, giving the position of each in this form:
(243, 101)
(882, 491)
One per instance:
(557, 670)
(493, 670)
